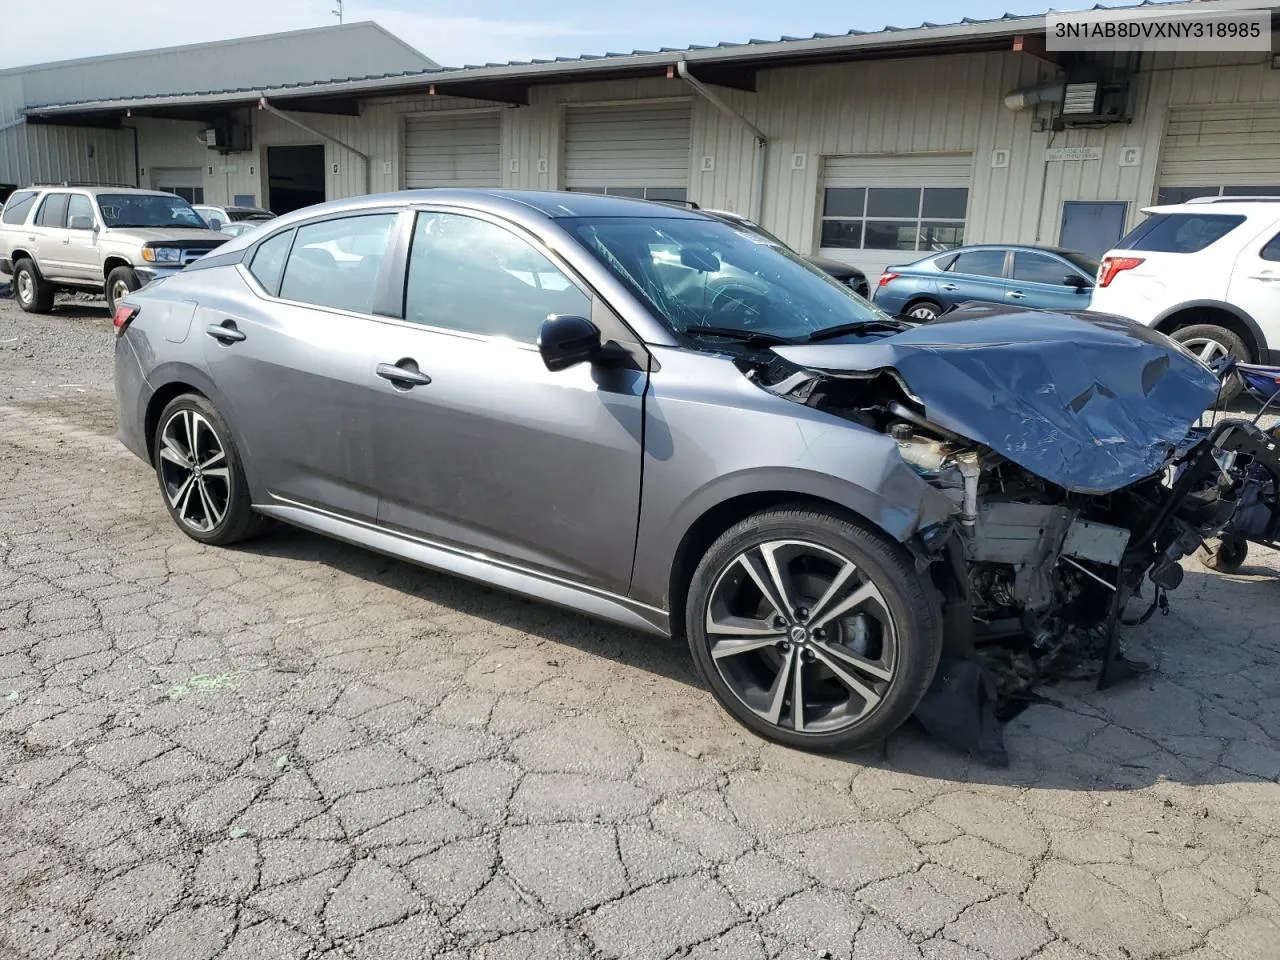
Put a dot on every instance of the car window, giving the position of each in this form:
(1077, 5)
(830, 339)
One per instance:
(147, 210)
(477, 277)
(79, 206)
(1039, 268)
(979, 263)
(53, 211)
(1179, 232)
(18, 206)
(1086, 263)
(1272, 250)
(268, 261)
(335, 263)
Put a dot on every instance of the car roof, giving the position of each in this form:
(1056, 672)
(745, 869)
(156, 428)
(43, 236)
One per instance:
(1265, 206)
(96, 190)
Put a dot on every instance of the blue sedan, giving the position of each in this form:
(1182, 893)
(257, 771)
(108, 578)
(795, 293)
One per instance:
(1045, 277)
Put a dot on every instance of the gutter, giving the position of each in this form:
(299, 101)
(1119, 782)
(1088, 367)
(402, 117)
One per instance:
(762, 141)
(265, 104)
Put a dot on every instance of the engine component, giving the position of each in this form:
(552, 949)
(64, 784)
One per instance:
(1099, 542)
(971, 471)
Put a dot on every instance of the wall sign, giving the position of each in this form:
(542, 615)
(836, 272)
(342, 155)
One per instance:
(1073, 153)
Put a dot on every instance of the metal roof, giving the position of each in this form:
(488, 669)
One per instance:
(964, 34)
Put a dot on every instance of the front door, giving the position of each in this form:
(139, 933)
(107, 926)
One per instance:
(477, 444)
(83, 259)
(292, 359)
(1046, 282)
(1255, 285)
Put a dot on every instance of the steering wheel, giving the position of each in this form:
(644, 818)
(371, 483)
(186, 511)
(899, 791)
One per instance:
(746, 305)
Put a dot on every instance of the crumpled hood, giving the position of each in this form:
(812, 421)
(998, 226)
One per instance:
(1090, 402)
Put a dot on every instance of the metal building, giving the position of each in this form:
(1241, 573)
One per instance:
(871, 147)
(68, 150)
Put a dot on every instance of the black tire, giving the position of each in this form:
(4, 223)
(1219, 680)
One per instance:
(200, 519)
(33, 293)
(908, 600)
(922, 311)
(120, 282)
(1226, 555)
(1200, 335)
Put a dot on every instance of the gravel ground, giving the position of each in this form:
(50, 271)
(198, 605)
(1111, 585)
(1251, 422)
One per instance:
(299, 749)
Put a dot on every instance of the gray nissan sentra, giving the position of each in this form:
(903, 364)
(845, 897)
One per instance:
(646, 415)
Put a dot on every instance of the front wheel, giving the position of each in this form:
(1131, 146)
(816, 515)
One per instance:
(1210, 342)
(811, 630)
(201, 476)
(924, 311)
(121, 282)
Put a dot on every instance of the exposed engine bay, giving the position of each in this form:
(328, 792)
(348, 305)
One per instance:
(1071, 504)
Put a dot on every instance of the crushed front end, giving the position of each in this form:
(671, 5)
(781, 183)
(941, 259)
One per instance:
(1078, 480)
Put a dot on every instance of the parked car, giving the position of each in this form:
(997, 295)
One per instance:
(1206, 272)
(643, 414)
(847, 274)
(1046, 278)
(100, 238)
(218, 217)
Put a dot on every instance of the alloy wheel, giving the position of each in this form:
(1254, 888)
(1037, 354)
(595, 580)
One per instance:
(119, 290)
(1206, 348)
(922, 313)
(194, 471)
(801, 636)
(26, 287)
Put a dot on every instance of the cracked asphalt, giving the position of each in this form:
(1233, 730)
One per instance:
(297, 749)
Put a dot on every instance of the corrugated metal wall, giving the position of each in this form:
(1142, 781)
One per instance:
(943, 105)
(29, 153)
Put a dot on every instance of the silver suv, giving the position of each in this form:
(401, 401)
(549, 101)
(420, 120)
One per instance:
(98, 238)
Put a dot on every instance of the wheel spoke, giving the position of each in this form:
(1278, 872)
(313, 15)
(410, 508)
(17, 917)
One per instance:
(222, 473)
(762, 565)
(797, 694)
(849, 680)
(731, 648)
(778, 692)
(854, 661)
(839, 600)
(211, 516)
(169, 451)
(218, 456)
(183, 499)
(179, 495)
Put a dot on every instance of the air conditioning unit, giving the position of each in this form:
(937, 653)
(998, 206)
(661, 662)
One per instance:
(229, 137)
(1089, 102)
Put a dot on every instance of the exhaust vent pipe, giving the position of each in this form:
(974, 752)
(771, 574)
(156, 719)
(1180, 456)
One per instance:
(1030, 96)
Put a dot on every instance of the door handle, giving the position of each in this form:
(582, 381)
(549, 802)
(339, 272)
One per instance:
(1017, 295)
(225, 332)
(404, 374)
(949, 287)
(31, 239)
(1265, 277)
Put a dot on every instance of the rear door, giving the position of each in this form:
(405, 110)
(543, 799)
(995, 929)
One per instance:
(51, 236)
(1046, 282)
(293, 361)
(479, 445)
(1255, 283)
(977, 274)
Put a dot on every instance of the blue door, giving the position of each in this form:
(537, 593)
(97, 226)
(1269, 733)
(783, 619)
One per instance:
(1092, 226)
(1047, 282)
(976, 274)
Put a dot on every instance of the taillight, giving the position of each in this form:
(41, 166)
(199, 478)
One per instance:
(1111, 266)
(122, 318)
(886, 278)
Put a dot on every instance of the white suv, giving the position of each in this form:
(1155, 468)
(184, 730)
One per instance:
(1206, 272)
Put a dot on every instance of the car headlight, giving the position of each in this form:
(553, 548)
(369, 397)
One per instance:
(162, 254)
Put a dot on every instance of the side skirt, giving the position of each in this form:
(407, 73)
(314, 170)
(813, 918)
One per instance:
(475, 566)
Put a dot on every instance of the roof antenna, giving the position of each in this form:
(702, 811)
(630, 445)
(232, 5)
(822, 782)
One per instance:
(337, 10)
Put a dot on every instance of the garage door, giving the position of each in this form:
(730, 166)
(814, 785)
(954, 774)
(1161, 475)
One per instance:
(453, 151)
(186, 182)
(878, 210)
(630, 151)
(1212, 151)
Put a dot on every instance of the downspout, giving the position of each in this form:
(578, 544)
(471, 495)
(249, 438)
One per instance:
(762, 142)
(264, 104)
(137, 161)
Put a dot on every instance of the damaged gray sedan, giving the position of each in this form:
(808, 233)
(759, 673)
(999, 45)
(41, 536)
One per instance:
(648, 416)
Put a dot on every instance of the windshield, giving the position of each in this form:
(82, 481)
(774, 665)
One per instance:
(147, 210)
(248, 213)
(703, 273)
(1084, 262)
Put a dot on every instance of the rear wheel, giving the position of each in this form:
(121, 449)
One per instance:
(201, 475)
(33, 293)
(923, 310)
(812, 631)
(1210, 342)
(121, 282)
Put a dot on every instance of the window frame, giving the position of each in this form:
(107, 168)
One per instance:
(34, 198)
(1262, 250)
(1006, 263)
(919, 221)
(93, 210)
(1066, 265)
(52, 197)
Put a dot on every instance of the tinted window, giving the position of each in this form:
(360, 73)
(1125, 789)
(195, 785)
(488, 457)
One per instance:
(268, 261)
(19, 205)
(336, 263)
(53, 211)
(79, 206)
(1272, 250)
(1083, 261)
(1038, 268)
(980, 263)
(469, 275)
(1179, 232)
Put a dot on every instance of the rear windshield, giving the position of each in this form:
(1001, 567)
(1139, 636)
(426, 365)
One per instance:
(1179, 232)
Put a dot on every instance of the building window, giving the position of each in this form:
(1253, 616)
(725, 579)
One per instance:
(1169, 195)
(670, 194)
(894, 218)
(190, 194)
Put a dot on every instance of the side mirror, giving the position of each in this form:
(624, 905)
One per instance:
(565, 341)
(80, 223)
(1077, 281)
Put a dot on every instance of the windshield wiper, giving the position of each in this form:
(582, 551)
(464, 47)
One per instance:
(862, 325)
(756, 337)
